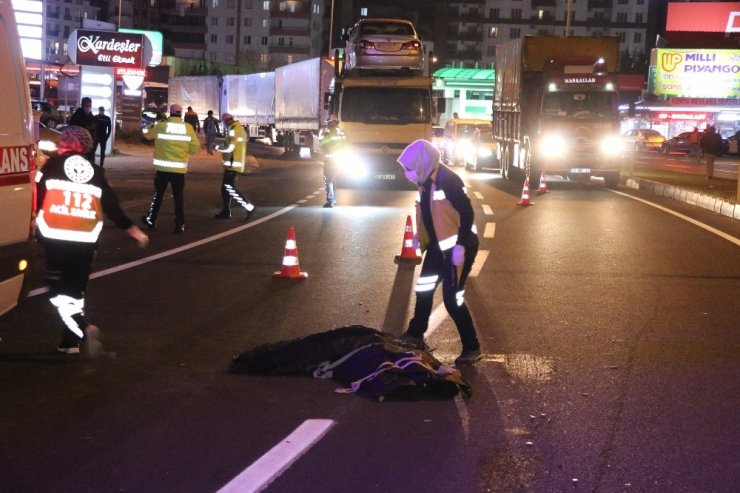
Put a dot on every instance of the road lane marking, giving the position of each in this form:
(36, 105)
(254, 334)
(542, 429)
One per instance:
(487, 210)
(707, 227)
(175, 251)
(480, 259)
(478, 195)
(267, 468)
(490, 230)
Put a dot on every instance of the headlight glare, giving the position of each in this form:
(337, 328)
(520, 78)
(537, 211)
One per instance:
(611, 146)
(553, 145)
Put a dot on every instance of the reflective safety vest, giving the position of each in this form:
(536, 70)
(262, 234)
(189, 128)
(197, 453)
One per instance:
(174, 141)
(71, 209)
(332, 141)
(234, 150)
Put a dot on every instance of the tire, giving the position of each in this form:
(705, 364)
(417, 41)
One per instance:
(611, 179)
(52, 123)
(664, 149)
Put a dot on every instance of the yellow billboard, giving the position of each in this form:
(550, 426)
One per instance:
(697, 73)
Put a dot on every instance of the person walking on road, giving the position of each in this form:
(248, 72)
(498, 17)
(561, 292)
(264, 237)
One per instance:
(72, 196)
(332, 141)
(83, 117)
(694, 138)
(711, 145)
(174, 141)
(211, 130)
(103, 130)
(446, 235)
(234, 152)
(191, 117)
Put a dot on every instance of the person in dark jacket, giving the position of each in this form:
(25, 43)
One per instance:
(72, 196)
(711, 146)
(191, 117)
(83, 117)
(446, 235)
(103, 129)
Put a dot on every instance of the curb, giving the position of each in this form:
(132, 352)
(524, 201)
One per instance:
(714, 204)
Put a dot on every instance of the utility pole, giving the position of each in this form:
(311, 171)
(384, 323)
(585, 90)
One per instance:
(568, 11)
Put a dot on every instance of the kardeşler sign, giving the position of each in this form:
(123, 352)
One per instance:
(108, 49)
(697, 73)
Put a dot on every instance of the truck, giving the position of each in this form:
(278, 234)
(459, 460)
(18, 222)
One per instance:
(555, 107)
(380, 115)
(202, 93)
(251, 100)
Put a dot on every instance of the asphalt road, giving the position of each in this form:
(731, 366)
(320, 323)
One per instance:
(609, 327)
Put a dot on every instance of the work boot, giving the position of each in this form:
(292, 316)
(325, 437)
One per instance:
(329, 204)
(413, 341)
(224, 214)
(468, 357)
(179, 229)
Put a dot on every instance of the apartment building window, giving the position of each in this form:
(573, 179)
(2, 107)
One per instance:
(363, 12)
(265, 23)
(491, 50)
(214, 38)
(493, 32)
(622, 17)
(230, 4)
(247, 22)
(247, 40)
(494, 13)
(515, 32)
(214, 4)
(290, 42)
(637, 37)
(516, 13)
(263, 41)
(263, 58)
(214, 21)
(266, 5)
(281, 41)
(638, 18)
(622, 36)
(229, 39)
(230, 22)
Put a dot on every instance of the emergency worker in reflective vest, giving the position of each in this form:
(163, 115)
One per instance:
(72, 196)
(332, 142)
(174, 142)
(234, 155)
(447, 236)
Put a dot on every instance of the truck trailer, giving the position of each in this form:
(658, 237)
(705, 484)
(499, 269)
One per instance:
(555, 107)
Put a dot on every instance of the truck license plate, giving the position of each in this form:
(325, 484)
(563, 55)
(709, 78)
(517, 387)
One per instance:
(580, 170)
(386, 177)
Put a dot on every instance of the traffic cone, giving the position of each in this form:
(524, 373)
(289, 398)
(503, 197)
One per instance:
(543, 186)
(408, 252)
(525, 194)
(291, 269)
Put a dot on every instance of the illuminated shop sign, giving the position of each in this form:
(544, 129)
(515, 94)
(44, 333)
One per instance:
(708, 17)
(155, 38)
(698, 73)
(107, 49)
(682, 116)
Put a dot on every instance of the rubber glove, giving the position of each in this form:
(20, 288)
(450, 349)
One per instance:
(458, 255)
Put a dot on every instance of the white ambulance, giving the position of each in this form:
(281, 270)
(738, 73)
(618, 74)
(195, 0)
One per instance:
(17, 164)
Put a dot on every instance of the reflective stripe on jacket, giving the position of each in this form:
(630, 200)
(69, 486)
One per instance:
(174, 141)
(234, 150)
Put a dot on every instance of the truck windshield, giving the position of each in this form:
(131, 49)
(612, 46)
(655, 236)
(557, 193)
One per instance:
(578, 105)
(381, 105)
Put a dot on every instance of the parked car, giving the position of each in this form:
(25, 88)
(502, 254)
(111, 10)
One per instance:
(682, 143)
(643, 139)
(482, 151)
(459, 136)
(48, 139)
(50, 115)
(383, 44)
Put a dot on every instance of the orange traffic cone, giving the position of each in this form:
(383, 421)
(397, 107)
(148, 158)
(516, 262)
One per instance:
(408, 252)
(291, 269)
(525, 194)
(543, 186)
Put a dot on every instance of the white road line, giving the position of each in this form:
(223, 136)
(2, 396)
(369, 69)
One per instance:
(478, 195)
(490, 230)
(480, 259)
(487, 210)
(264, 470)
(174, 251)
(719, 233)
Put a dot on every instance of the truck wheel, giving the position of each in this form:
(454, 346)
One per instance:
(52, 123)
(611, 179)
(506, 163)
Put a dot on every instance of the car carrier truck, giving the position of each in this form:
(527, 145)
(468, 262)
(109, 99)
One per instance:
(555, 107)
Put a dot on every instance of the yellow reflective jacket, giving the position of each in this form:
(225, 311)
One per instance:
(234, 150)
(332, 141)
(174, 141)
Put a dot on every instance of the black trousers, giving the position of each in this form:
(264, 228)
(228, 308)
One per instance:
(229, 191)
(103, 144)
(437, 267)
(161, 180)
(68, 267)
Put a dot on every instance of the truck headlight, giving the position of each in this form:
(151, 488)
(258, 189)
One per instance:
(553, 145)
(611, 146)
(462, 147)
(350, 164)
(485, 152)
(47, 146)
